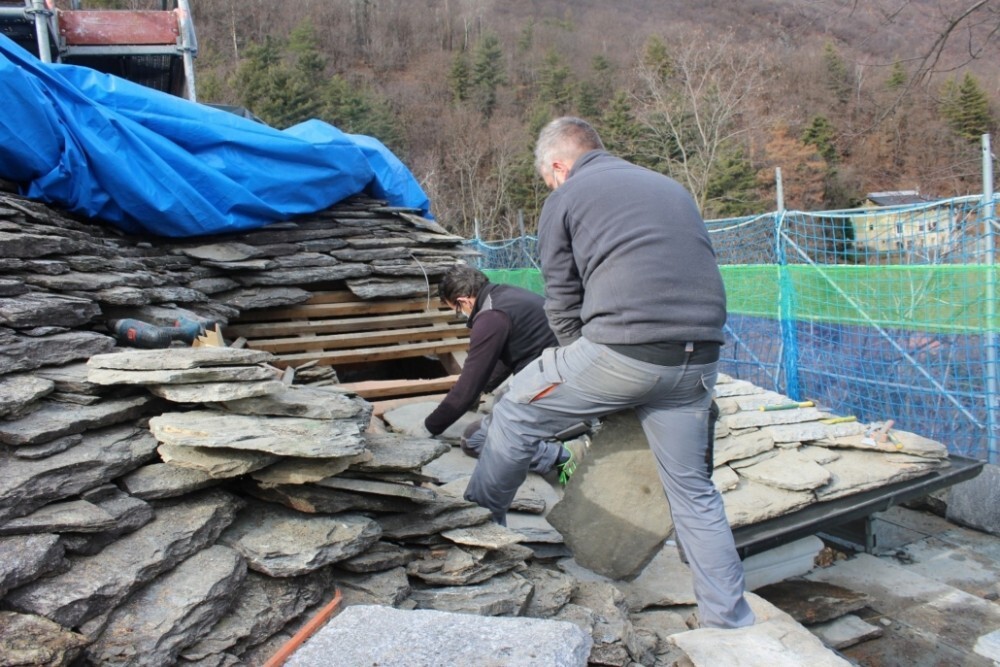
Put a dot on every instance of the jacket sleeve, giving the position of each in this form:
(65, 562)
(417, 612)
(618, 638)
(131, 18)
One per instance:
(489, 334)
(563, 286)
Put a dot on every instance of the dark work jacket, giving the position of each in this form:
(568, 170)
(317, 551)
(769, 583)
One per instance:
(509, 329)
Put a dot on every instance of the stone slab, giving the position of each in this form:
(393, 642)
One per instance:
(178, 358)
(366, 635)
(102, 455)
(614, 515)
(775, 640)
(283, 436)
(973, 503)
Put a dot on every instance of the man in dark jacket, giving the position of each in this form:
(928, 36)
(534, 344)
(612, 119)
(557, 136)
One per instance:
(636, 299)
(508, 329)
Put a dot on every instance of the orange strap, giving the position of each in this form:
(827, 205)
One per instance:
(314, 624)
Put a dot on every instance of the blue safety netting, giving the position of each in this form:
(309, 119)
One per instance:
(149, 162)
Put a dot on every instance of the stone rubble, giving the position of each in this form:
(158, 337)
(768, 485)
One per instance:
(187, 506)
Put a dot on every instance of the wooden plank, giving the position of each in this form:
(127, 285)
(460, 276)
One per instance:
(117, 27)
(366, 338)
(395, 388)
(370, 354)
(381, 407)
(341, 325)
(343, 296)
(454, 361)
(305, 312)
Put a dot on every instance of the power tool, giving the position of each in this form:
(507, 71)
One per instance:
(136, 333)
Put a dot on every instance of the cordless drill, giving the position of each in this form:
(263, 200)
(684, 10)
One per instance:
(136, 333)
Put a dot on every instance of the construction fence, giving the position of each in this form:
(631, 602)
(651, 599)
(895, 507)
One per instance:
(879, 313)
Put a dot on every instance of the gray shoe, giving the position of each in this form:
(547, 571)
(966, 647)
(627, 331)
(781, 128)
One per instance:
(577, 449)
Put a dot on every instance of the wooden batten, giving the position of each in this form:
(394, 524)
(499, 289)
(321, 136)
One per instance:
(340, 329)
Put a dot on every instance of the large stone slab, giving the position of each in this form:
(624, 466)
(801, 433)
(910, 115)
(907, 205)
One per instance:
(974, 503)
(614, 515)
(112, 376)
(284, 436)
(461, 566)
(26, 639)
(77, 516)
(298, 401)
(71, 378)
(411, 525)
(788, 470)
(178, 358)
(21, 353)
(209, 392)
(379, 557)
(304, 470)
(391, 587)
(24, 558)
(38, 309)
(103, 455)
(163, 480)
(393, 452)
(284, 543)
(379, 488)
(742, 445)
(665, 582)
(368, 635)
(21, 390)
(503, 595)
(751, 502)
(313, 499)
(263, 606)
(775, 640)
(172, 612)
(96, 584)
(857, 471)
(129, 514)
(220, 463)
(54, 420)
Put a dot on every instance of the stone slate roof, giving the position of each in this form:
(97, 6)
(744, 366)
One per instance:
(131, 476)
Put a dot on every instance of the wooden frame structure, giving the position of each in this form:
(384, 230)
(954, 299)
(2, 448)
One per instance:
(338, 329)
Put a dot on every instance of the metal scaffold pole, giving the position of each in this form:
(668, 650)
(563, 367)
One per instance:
(990, 231)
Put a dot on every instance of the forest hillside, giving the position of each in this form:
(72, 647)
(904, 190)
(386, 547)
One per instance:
(846, 97)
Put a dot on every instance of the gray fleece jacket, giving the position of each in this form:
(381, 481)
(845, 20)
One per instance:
(627, 259)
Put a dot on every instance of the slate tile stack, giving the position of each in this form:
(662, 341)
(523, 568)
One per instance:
(186, 506)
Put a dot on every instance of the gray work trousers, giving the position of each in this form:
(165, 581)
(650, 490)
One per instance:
(587, 380)
(543, 461)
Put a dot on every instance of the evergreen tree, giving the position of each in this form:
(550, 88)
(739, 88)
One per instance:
(555, 84)
(357, 110)
(966, 108)
(588, 100)
(657, 58)
(264, 85)
(459, 78)
(838, 79)
(820, 134)
(732, 189)
(487, 73)
(897, 77)
(619, 129)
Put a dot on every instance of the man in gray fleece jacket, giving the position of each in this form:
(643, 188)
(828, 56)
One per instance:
(635, 297)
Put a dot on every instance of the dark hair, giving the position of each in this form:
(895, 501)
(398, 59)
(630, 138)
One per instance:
(462, 280)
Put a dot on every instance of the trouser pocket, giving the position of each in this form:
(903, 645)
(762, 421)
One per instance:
(536, 379)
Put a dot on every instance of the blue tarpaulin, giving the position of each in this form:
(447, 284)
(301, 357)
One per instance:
(148, 162)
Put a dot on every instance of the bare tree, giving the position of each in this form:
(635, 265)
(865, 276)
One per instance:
(694, 104)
